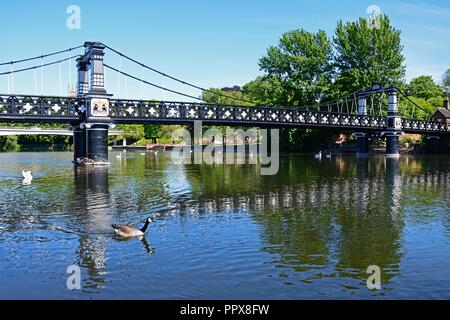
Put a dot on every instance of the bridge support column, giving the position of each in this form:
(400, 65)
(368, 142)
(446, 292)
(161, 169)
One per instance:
(393, 126)
(97, 142)
(79, 142)
(362, 144)
(91, 137)
(433, 144)
(392, 145)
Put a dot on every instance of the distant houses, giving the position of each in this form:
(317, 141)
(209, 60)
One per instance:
(442, 115)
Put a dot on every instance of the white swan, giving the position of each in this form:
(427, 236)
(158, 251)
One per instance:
(328, 155)
(318, 155)
(27, 177)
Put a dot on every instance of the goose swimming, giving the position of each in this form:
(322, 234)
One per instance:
(128, 231)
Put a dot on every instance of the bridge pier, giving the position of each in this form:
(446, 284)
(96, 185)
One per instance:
(79, 142)
(97, 142)
(91, 134)
(393, 126)
(434, 144)
(362, 140)
(392, 145)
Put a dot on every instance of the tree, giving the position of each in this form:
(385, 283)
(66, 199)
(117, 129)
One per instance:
(132, 131)
(424, 87)
(366, 55)
(446, 78)
(226, 96)
(300, 65)
(265, 90)
(150, 131)
(8, 143)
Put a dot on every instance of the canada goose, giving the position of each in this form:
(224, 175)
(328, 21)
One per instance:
(318, 155)
(129, 231)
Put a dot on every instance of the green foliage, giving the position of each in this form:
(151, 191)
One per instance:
(225, 97)
(424, 87)
(446, 78)
(427, 107)
(267, 91)
(150, 131)
(132, 131)
(301, 65)
(8, 143)
(365, 56)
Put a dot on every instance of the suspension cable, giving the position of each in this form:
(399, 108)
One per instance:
(176, 79)
(41, 56)
(38, 66)
(151, 84)
(407, 98)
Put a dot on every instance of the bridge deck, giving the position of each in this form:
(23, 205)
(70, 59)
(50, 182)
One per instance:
(35, 109)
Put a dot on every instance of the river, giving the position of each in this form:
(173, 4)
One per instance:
(225, 231)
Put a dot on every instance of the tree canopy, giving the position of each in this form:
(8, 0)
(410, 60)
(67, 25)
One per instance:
(301, 64)
(366, 55)
(424, 87)
(446, 78)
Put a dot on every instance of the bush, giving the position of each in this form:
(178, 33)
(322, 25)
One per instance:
(8, 143)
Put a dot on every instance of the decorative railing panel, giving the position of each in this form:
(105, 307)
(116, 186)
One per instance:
(28, 106)
(65, 109)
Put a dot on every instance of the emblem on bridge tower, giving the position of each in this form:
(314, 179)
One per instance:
(99, 107)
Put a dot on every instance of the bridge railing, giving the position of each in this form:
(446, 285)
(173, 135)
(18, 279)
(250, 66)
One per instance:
(139, 110)
(423, 125)
(66, 109)
(29, 105)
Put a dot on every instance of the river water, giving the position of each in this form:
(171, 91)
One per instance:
(225, 231)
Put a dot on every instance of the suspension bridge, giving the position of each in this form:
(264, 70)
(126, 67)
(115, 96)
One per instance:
(92, 112)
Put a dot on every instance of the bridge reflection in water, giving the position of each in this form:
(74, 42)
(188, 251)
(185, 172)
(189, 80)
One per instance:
(316, 222)
(225, 231)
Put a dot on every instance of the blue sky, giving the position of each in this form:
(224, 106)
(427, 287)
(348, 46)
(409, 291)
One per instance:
(210, 43)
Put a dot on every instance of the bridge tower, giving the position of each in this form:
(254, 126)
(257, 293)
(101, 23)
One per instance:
(362, 138)
(90, 136)
(393, 125)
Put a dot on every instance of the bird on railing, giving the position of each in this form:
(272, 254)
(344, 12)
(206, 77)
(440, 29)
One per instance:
(27, 177)
(318, 155)
(128, 231)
